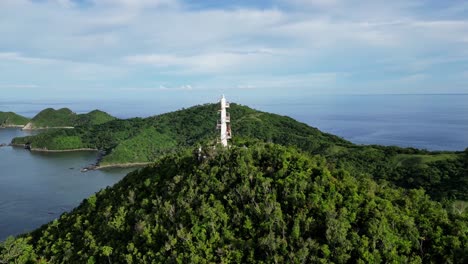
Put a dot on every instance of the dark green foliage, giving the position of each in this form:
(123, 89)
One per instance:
(49, 118)
(12, 119)
(258, 204)
(442, 174)
(317, 199)
(63, 139)
(17, 251)
(54, 118)
(95, 117)
(144, 147)
(181, 129)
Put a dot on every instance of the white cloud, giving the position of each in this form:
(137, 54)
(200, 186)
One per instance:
(247, 48)
(246, 86)
(65, 3)
(18, 86)
(74, 70)
(186, 87)
(137, 3)
(414, 78)
(313, 81)
(205, 62)
(14, 56)
(312, 3)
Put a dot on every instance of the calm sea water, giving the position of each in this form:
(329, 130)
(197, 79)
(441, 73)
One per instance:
(36, 188)
(433, 122)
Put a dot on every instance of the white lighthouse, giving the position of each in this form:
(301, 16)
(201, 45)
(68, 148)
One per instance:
(224, 123)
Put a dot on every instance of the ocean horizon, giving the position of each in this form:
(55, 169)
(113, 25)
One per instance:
(426, 121)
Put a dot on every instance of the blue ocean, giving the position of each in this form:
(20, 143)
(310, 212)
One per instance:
(36, 188)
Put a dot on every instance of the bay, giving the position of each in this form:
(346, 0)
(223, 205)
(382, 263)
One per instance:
(36, 188)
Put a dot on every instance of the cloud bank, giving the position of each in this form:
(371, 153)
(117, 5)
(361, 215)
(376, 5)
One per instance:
(318, 46)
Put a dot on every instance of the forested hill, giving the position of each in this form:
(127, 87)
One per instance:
(143, 140)
(64, 117)
(10, 119)
(444, 175)
(259, 203)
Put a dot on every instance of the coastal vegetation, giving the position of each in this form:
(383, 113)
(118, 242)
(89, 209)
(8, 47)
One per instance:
(10, 119)
(65, 118)
(119, 138)
(140, 141)
(283, 192)
(252, 203)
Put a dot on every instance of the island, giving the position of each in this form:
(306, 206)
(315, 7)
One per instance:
(282, 191)
(10, 119)
(140, 141)
(66, 118)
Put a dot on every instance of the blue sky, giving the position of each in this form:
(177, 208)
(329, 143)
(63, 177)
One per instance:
(174, 49)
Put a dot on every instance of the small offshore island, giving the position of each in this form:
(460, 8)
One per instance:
(282, 192)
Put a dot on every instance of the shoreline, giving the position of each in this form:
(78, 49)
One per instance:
(24, 128)
(51, 150)
(88, 168)
(123, 165)
(64, 150)
(12, 126)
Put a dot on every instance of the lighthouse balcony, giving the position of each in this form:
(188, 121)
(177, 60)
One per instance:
(227, 104)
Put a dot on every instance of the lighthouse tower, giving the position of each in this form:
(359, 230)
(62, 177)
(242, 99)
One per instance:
(224, 123)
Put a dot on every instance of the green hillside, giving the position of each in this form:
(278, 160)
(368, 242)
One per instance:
(50, 117)
(95, 117)
(184, 128)
(8, 119)
(259, 203)
(64, 117)
(442, 174)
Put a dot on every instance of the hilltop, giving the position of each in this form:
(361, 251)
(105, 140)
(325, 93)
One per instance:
(66, 118)
(10, 119)
(95, 117)
(139, 141)
(254, 203)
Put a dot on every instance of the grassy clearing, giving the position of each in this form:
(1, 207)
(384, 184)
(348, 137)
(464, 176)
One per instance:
(421, 159)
